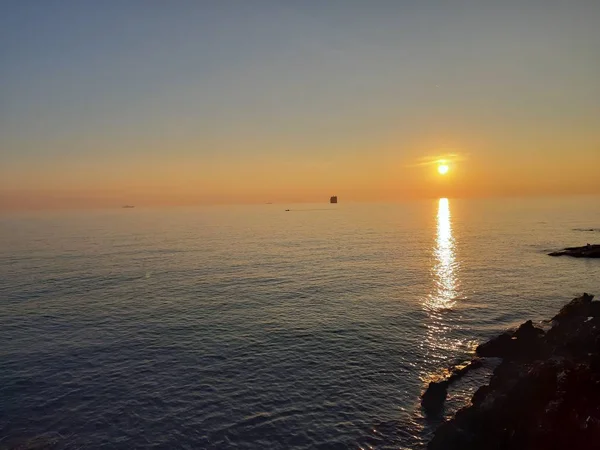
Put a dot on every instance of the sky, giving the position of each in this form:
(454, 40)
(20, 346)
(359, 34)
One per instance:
(149, 102)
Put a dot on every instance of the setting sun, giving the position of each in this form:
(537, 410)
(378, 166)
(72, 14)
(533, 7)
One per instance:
(443, 169)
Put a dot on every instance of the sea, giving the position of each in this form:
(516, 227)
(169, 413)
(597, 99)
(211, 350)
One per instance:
(254, 327)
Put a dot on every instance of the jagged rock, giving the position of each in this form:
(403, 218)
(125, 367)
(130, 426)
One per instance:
(544, 395)
(434, 397)
(525, 341)
(460, 371)
(527, 332)
(586, 251)
(576, 307)
(480, 395)
(529, 340)
(500, 347)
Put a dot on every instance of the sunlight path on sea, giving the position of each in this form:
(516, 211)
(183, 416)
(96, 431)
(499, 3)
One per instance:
(445, 292)
(444, 269)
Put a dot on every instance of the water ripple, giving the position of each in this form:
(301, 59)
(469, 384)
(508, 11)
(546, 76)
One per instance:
(192, 329)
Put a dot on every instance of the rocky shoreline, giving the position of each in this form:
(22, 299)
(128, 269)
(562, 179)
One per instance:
(545, 394)
(586, 251)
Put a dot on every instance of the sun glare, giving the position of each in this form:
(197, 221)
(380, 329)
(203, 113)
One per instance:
(443, 169)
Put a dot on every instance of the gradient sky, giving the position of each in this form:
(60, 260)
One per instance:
(179, 102)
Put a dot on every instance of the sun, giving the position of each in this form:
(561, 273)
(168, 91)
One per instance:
(443, 169)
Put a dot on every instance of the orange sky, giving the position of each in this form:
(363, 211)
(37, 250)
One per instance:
(360, 177)
(291, 103)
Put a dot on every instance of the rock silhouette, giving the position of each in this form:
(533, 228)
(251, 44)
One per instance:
(586, 251)
(544, 395)
(435, 395)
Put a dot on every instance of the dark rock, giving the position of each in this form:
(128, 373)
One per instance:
(434, 397)
(522, 343)
(529, 340)
(527, 332)
(500, 346)
(480, 395)
(586, 251)
(576, 307)
(544, 395)
(460, 371)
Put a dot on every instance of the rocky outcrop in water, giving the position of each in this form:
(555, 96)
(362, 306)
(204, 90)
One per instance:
(435, 395)
(544, 395)
(586, 251)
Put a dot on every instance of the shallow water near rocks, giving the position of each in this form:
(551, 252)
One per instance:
(253, 327)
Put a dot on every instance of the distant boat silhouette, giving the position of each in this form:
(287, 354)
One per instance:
(333, 199)
(287, 209)
(128, 206)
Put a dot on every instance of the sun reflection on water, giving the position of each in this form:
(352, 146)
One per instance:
(439, 341)
(445, 260)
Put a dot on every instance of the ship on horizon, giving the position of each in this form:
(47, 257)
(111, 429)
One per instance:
(333, 199)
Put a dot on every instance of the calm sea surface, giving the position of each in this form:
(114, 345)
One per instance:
(253, 327)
